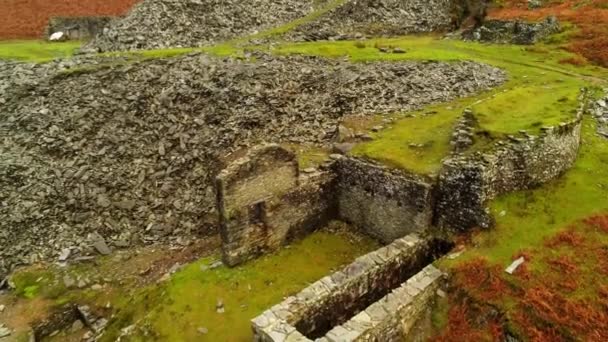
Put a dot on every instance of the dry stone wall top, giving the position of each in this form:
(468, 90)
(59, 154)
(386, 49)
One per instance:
(468, 181)
(330, 308)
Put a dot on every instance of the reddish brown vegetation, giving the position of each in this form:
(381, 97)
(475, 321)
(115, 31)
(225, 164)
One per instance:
(580, 318)
(485, 279)
(559, 294)
(28, 18)
(566, 238)
(591, 18)
(461, 327)
(598, 221)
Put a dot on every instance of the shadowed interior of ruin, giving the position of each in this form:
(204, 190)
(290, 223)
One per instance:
(340, 309)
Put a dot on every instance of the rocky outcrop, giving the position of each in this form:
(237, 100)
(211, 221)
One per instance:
(77, 28)
(361, 18)
(600, 112)
(157, 24)
(131, 151)
(513, 32)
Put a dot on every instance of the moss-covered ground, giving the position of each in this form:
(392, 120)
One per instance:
(175, 310)
(36, 51)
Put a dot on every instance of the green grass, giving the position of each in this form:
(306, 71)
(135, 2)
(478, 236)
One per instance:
(539, 92)
(36, 51)
(526, 218)
(174, 311)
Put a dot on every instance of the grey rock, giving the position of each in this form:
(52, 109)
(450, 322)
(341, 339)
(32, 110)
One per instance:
(4, 331)
(99, 243)
(219, 306)
(343, 148)
(76, 326)
(68, 281)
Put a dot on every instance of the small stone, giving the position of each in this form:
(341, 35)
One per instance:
(65, 254)
(513, 267)
(344, 133)
(4, 331)
(2, 307)
(82, 283)
(103, 201)
(398, 50)
(202, 330)
(309, 170)
(99, 243)
(216, 264)
(68, 281)
(219, 307)
(76, 326)
(377, 128)
(125, 204)
(96, 287)
(58, 36)
(343, 148)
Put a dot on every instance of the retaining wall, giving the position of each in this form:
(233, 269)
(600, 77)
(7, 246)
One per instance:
(384, 203)
(378, 285)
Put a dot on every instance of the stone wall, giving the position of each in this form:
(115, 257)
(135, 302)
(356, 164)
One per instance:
(263, 203)
(468, 181)
(513, 32)
(77, 28)
(332, 307)
(385, 203)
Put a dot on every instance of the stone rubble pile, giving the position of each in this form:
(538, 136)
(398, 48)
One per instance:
(600, 112)
(128, 154)
(157, 24)
(363, 18)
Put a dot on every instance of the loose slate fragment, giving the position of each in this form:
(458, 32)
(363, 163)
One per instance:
(513, 267)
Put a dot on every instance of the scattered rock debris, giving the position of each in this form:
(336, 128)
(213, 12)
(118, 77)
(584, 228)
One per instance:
(81, 151)
(157, 24)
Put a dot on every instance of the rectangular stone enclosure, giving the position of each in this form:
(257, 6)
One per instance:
(378, 297)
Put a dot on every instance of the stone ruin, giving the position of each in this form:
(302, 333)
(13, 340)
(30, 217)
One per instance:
(514, 31)
(264, 203)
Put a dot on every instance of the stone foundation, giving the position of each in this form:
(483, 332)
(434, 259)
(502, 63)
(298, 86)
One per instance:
(384, 203)
(377, 297)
